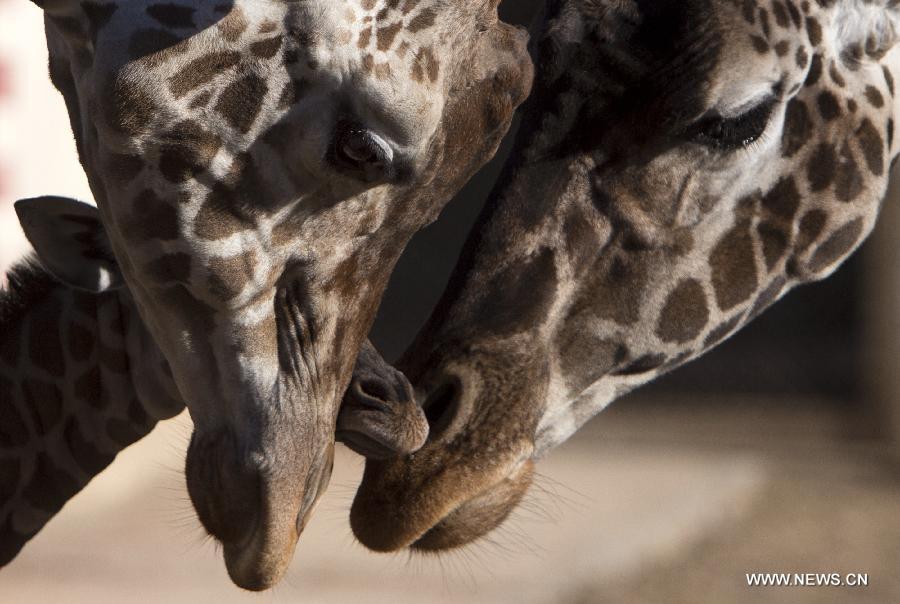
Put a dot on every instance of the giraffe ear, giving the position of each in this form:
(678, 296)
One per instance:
(70, 242)
(867, 30)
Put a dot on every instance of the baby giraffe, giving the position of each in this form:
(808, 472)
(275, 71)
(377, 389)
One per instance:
(682, 165)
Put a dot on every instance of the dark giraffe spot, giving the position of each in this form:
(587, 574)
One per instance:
(836, 76)
(423, 20)
(173, 15)
(685, 313)
(85, 454)
(13, 429)
(424, 65)
(801, 57)
(796, 18)
(811, 226)
(365, 38)
(780, 12)
(815, 71)
(153, 218)
(585, 356)
(872, 146)
(888, 79)
(81, 342)
(45, 348)
(621, 287)
(890, 132)
(521, 296)
(228, 276)
(242, 101)
(767, 297)
(733, 266)
(89, 388)
(828, 105)
(782, 48)
(149, 42)
(644, 364)
(764, 22)
(409, 5)
(852, 106)
(44, 400)
(266, 49)
(814, 31)
(129, 106)
(201, 100)
(848, 182)
(201, 71)
(821, 167)
(187, 150)
(874, 96)
(722, 331)
(783, 199)
(124, 168)
(759, 44)
(50, 486)
(233, 25)
(798, 128)
(837, 246)
(748, 9)
(10, 474)
(385, 36)
(170, 268)
(774, 243)
(98, 15)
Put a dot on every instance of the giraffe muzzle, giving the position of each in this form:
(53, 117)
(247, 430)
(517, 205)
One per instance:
(256, 508)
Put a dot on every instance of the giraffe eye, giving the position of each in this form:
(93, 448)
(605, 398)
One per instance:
(360, 151)
(730, 134)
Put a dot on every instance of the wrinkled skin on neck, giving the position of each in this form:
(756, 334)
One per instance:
(683, 165)
(259, 167)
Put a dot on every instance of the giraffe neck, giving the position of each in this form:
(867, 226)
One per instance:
(80, 380)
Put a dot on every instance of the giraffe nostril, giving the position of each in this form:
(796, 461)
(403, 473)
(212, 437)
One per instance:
(441, 407)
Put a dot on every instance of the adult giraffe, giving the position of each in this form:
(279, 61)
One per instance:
(683, 164)
(258, 167)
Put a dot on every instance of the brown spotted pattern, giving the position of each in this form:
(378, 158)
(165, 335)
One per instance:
(64, 383)
(716, 154)
(240, 154)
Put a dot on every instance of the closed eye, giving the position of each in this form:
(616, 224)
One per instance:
(733, 133)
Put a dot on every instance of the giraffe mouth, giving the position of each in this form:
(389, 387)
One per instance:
(479, 515)
(438, 513)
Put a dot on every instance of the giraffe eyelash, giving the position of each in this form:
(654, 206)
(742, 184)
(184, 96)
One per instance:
(733, 134)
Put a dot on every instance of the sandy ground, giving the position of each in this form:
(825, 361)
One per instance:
(645, 505)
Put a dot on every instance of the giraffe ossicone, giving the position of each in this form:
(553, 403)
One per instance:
(682, 165)
(258, 167)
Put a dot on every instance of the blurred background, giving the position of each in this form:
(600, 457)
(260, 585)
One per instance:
(777, 452)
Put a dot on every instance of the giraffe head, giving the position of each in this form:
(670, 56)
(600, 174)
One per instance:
(258, 167)
(683, 164)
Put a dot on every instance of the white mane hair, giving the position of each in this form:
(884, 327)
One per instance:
(866, 27)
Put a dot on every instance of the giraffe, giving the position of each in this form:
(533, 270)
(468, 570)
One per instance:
(683, 165)
(81, 379)
(258, 167)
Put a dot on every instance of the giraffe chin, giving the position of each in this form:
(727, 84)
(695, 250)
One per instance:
(260, 561)
(429, 519)
(478, 516)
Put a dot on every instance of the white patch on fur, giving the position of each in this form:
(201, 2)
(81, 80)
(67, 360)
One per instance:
(857, 20)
